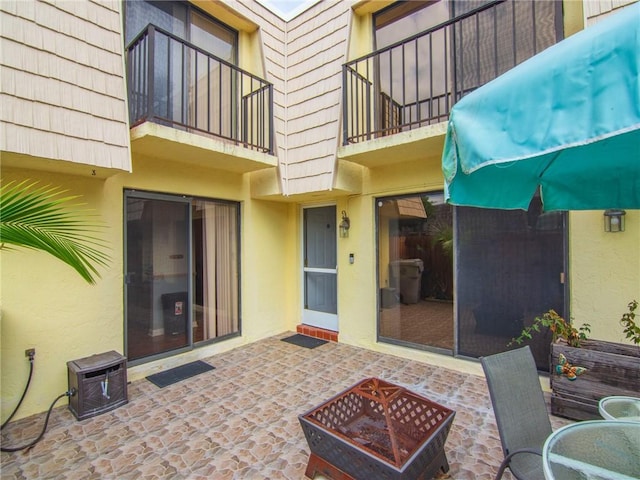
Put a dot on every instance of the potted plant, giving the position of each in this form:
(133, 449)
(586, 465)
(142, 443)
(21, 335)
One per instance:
(559, 327)
(609, 368)
(631, 330)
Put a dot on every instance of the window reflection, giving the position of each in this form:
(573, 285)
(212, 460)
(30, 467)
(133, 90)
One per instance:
(415, 268)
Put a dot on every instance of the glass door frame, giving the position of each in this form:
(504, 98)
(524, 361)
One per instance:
(178, 199)
(388, 295)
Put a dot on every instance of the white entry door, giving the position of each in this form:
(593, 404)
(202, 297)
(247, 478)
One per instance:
(320, 268)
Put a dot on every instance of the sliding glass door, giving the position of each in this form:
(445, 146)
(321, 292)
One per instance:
(509, 268)
(181, 273)
(415, 271)
(215, 241)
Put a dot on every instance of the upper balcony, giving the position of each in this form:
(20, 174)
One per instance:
(397, 90)
(176, 90)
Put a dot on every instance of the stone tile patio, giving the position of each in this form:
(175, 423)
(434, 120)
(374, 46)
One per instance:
(240, 420)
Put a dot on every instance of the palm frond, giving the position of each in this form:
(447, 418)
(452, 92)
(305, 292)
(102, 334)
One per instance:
(44, 218)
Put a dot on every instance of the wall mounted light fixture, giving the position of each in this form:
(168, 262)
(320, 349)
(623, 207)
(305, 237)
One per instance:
(345, 225)
(614, 220)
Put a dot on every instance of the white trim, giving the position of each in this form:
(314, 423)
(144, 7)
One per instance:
(320, 270)
(328, 321)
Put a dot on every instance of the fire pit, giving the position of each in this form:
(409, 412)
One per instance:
(377, 430)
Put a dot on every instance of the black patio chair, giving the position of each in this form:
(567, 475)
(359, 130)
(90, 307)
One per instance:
(520, 411)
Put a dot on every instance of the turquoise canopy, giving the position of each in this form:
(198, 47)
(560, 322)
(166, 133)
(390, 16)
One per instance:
(567, 120)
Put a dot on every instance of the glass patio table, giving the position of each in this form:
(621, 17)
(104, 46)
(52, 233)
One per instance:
(620, 408)
(596, 449)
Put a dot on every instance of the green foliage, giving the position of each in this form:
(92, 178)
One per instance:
(631, 330)
(41, 218)
(445, 238)
(559, 327)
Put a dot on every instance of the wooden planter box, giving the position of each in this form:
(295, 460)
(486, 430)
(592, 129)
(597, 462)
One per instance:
(612, 369)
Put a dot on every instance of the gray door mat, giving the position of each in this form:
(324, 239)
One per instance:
(177, 374)
(304, 341)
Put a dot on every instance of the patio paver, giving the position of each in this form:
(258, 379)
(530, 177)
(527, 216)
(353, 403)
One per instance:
(240, 421)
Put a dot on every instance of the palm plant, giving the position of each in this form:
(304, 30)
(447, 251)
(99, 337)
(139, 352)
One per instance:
(37, 217)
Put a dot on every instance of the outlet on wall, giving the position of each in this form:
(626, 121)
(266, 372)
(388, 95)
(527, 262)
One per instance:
(30, 352)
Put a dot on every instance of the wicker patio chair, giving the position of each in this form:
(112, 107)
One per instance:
(520, 411)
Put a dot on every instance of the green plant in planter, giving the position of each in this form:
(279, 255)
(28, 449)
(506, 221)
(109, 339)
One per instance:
(631, 329)
(558, 326)
(612, 366)
(40, 218)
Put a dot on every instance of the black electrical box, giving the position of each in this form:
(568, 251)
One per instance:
(174, 309)
(100, 383)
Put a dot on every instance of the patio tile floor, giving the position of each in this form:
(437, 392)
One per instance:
(240, 420)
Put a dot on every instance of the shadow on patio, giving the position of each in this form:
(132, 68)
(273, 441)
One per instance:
(240, 420)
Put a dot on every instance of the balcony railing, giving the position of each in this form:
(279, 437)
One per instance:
(415, 82)
(175, 83)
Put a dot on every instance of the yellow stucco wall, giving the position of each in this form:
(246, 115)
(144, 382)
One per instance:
(573, 17)
(45, 305)
(360, 36)
(604, 272)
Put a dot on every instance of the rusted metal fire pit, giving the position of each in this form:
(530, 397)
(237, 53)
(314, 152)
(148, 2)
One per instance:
(377, 430)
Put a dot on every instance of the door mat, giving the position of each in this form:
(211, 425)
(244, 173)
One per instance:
(304, 341)
(177, 374)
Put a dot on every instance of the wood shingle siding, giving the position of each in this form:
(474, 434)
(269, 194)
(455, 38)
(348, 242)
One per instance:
(595, 11)
(273, 45)
(63, 67)
(316, 49)
(62, 77)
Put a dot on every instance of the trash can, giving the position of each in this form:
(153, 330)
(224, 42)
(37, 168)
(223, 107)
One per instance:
(388, 297)
(174, 310)
(407, 274)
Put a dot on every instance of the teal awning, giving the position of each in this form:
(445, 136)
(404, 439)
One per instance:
(567, 120)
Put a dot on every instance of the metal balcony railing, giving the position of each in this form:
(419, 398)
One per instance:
(415, 82)
(175, 83)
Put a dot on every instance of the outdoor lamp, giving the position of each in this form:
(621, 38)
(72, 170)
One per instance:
(614, 220)
(345, 224)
